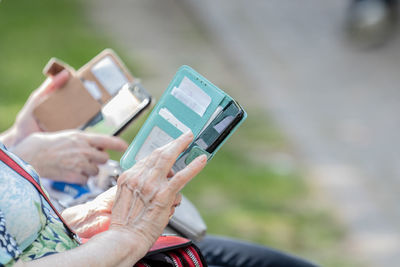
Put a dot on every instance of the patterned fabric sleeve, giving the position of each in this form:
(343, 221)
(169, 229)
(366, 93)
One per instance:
(9, 250)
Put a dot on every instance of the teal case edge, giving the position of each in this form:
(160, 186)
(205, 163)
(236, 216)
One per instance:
(217, 97)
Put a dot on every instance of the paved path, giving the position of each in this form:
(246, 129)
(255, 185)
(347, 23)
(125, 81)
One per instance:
(339, 106)
(162, 37)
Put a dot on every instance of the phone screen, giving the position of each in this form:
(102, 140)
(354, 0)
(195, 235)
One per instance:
(122, 109)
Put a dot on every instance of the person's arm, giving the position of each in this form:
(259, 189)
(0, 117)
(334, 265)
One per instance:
(145, 199)
(70, 156)
(110, 248)
(25, 123)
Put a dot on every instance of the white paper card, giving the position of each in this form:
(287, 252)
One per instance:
(93, 89)
(168, 116)
(192, 96)
(157, 138)
(217, 111)
(109, 75)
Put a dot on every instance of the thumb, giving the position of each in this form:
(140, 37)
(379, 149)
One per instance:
(49, 85)
(53, 83)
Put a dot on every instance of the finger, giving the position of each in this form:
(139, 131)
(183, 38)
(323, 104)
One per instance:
(90, 169)
(177, 146)
(171, 213)
(105, 142)
(54, 82)
(171, 151)
(96, 156)
(170, 174)
(77, 178)
(58, 80)
(184, 176)
(178, 200)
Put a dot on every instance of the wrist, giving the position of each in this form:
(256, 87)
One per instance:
(135, 237)
(128, 247)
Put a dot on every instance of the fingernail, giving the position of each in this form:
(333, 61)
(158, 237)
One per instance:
(203, 158)
(63, 73)
(188, 134)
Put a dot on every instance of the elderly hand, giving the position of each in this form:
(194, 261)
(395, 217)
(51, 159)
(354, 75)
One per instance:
(146, 198)
(93, 217)
(25, 123)
(70, 156)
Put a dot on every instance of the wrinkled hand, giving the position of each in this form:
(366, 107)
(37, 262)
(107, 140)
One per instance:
(70, 156)
(146, 197)
(93, 217)
(25, 123)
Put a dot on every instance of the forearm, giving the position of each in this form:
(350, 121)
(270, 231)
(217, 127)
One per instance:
(110, 248)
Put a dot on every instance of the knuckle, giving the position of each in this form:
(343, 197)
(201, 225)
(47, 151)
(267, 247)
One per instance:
(157, 152)
(166, 155)
(76, 141)
(79, 164)
(147, 188)
(128, 178)
(104, 155)
(157, 168)
(139, 165)
(95, 169)
(85, 152)
(121, 180)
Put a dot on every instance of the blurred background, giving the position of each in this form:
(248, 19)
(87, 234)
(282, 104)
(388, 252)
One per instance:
(315, 169)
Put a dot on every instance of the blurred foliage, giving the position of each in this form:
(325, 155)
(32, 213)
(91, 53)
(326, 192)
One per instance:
(31, 33)
(252, 189)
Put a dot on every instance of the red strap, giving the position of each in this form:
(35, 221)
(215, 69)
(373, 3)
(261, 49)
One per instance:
(195, 254)
(176, 259)
(21, 171)
(185, 255)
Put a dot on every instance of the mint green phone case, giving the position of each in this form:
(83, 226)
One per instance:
(157, 130)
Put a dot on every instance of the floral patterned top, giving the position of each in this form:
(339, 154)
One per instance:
(29, 229)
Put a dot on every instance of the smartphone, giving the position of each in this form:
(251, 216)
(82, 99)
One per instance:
(120, 111)
(213, 134)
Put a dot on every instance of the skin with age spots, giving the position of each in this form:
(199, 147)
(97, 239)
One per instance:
(137, 211)
(152, 194)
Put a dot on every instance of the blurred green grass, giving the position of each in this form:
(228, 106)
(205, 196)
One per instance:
(252, 189)
(31, 33)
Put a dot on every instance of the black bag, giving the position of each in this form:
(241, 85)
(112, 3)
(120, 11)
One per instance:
(173, 251)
